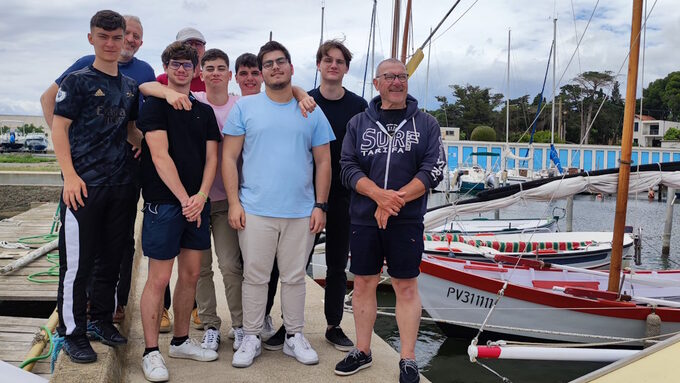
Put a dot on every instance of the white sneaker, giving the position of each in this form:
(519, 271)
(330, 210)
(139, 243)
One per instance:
(211, 339)
(268, 329)
(154, 368)
(238, 338)
(299, 348)
(250, 349)
(230, 334)
(190, 349)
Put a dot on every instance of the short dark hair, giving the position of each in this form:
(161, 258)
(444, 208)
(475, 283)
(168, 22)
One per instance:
(214, 54)
(271, 46)
(248, 60)
(107, 20)
(179, 51)
(330, 44)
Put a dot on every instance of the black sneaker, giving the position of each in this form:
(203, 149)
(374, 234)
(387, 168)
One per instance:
(276, 341)
(354, 361)
(105, 332)
(78, 348)
(408, 371)
(338, 339)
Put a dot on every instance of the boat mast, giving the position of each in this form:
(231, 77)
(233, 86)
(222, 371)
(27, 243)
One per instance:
(323, 6)
(626, 148)
(404, 41)
(642, 71)
(507, 97)
(552, 119)
(375, 6)
(427, 75)
(507, 114)
(395, 28)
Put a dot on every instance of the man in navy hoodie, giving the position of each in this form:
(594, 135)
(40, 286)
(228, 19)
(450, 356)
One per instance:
(391, 155)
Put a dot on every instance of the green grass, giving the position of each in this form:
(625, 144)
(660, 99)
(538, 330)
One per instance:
(23, 159)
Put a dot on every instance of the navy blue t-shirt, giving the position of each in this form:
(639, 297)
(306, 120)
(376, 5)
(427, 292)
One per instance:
(99, 106)
(338, 112)
(137, 70)
(187, 133)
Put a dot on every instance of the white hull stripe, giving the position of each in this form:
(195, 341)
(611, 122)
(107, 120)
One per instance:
(72, 238)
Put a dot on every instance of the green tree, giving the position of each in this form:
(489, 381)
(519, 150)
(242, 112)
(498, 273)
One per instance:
(672, 134)
(474, 106)
(592, 83)
(483, 133)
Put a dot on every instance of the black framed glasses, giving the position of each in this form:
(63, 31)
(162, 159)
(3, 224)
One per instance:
(269, 64)
(389, 77)
(176, 64)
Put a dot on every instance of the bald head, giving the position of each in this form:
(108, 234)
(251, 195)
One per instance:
(391, 81)
(391, 61)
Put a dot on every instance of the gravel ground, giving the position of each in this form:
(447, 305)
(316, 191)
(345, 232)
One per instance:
(17, 199)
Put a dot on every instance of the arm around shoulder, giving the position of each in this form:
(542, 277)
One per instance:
(47, 103)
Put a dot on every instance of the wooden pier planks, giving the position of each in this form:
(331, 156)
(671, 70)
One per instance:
(15, 286)
(16, 337)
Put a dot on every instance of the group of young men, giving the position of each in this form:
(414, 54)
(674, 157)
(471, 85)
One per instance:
(265, 172)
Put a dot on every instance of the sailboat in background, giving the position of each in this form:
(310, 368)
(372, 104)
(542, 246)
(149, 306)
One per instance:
(524, 171)
(564, 304)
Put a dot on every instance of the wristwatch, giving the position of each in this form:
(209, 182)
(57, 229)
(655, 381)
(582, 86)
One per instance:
(322, 205)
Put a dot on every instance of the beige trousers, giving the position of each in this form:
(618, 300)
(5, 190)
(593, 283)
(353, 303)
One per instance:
(229, 261)
(289, 241)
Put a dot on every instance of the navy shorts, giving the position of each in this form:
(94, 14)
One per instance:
(400, 246)
(165, 231)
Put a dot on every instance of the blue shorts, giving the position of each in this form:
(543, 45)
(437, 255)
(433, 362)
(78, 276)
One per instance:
(400, 246)
(165, 231)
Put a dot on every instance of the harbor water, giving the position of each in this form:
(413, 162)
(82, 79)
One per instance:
(444, 359)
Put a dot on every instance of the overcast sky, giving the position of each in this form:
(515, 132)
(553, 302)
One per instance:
(42, 38)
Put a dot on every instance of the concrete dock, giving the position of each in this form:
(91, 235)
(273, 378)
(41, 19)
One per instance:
(124, 364)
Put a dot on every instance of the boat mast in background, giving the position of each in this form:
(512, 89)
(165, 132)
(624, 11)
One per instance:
(552, 118)
(626, 149)
(404, 41)
(427, 75)
(504, 174)
(323, 6)
(642, 70)
(395, 28)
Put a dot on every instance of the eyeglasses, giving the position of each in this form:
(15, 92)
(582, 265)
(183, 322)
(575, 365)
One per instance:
(176, 64)
(269, 64)
(389, 77)
(195, 43)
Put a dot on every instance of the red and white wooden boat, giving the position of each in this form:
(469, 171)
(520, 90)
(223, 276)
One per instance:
(590, 250)
(460, 293)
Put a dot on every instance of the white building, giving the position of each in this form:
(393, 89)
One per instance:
(450, 134)
(648, 132)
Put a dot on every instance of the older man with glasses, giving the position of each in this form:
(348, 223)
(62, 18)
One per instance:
(392, 154)
(193, 37)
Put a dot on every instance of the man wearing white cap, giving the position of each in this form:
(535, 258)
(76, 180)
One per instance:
(194, 38)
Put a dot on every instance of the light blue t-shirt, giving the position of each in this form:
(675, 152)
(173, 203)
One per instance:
(278, 164)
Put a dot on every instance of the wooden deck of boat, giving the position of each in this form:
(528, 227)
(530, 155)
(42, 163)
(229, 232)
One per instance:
(16, 339)
(15, 286)
(652, 365)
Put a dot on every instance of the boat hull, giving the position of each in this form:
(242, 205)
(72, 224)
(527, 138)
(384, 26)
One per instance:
(462, 298)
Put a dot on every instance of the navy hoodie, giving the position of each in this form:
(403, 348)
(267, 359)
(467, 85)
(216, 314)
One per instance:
(368, 150)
